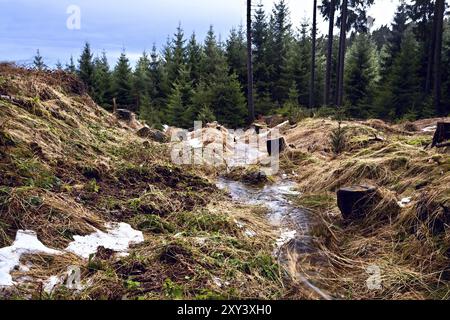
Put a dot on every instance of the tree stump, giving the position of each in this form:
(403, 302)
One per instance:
(442, 133)
(124, 114)
(272, 146)
(355, 202)
(152, 134)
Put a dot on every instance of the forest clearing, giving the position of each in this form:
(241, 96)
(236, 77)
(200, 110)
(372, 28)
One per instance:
(302, 154)
(71, 169)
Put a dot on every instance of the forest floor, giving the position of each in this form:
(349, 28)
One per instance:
(71, 170)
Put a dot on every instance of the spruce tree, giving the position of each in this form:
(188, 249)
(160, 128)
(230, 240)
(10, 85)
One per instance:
(180, 101)
(122, 88)
(160, 88)
(213, 59)
(281, 36)
(142, 79)
(176, 57)
(360, 77)
(70, 67)
(59, 66)
(194, 59)
(38, 61)
(86, 67)
(262, 66)
(102, 82)
(303, 65)
(236, 54)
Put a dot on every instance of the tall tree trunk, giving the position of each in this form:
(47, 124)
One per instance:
(342, 45)
(251, 106)
(312, 83)
(431, 54)
(330, 53)
(439, 18)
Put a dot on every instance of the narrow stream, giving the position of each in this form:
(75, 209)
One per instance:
(293, 223)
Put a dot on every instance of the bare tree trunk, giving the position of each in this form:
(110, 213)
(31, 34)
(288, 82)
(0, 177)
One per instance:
(439, 18)
(431, 53)
(330, 53)
(312, 86)
(251, 106)
(342, 45)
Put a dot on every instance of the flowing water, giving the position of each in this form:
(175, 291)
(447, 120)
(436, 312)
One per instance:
(292, 222)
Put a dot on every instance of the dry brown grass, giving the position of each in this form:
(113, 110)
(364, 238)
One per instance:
(410, 246)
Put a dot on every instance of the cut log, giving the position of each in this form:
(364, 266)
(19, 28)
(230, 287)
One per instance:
(273, 145)
(355, 202)
(258, 128)
(442, 134)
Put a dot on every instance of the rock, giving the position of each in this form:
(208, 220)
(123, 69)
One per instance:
(124, 114)
(255, 177)
(152, 134)
(279, 143)
(355, 202)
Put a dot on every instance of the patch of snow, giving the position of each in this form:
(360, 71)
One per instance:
(26, 242)
(429, 129)
(217, 281)
(285, 237)
(250, 233)
(404, 202)
(118, 238)
(239, 224)
(51, 283)
(200, 241)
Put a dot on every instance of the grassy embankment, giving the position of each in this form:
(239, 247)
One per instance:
(67, 167)
(409, 245)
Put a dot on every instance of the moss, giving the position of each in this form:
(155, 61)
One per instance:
(152, 224)
(204, 221)
(316, 201)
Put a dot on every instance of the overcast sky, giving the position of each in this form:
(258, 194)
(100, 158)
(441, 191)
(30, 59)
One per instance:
(26, 25)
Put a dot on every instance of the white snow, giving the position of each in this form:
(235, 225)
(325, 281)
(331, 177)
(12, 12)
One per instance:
(51, 283)
(26, 243)
(429, 129)
(285, 237)
(404, 202)
(118, 238)
(250, 233)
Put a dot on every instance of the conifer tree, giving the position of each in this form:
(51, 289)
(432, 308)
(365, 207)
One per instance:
(38, 61)
(122, 80)
(360, 78)
(194, 59)
(180, 101)
(86, 67)
(281, 36)
(236, 54)
(70, 67)
(102, 82)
